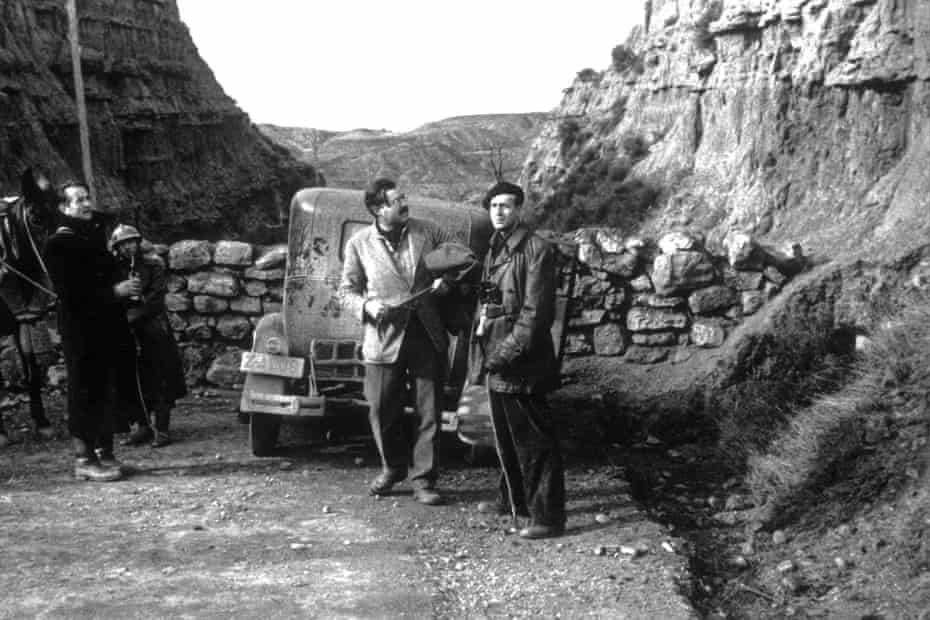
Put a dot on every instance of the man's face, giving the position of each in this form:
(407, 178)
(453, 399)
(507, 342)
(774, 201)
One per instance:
(128, 248)
(503, 211)
(394, 212)
(77, 203)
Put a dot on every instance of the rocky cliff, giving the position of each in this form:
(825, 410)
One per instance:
(167, 142)
(800, 120)
(447, 159)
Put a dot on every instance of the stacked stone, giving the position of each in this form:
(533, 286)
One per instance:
(648, 301)
(217, 292)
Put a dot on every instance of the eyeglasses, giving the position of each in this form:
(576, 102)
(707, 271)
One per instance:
(398, 199)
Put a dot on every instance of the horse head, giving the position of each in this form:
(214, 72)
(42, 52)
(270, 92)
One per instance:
(40, 201)
(25, 223)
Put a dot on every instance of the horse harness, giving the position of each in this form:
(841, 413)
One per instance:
(13, 214)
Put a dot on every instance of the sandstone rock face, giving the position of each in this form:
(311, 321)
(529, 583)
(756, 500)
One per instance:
(167, 142)
(792, 120)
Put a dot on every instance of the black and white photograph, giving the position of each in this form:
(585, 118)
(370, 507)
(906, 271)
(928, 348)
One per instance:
(423, 310)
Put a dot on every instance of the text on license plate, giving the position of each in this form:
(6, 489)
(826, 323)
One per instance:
(278, 365)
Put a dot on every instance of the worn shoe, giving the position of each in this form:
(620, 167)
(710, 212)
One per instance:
(383, 484)
(533, 532)
(109, 461)
(139, 435)
(95, 471)
(427, 496)
(162, 439)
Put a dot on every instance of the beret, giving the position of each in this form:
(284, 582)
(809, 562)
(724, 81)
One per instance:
(503, 187)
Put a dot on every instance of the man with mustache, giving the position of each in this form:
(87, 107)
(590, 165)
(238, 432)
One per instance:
(404, 343)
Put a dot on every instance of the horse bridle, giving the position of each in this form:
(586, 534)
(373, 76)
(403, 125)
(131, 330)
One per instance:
(5, 264)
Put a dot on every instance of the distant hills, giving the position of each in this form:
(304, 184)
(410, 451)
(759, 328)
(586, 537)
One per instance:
(447, 159)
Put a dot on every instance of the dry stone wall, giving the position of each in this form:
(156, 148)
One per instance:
(216, 294)
(649, 301)
(646, 300)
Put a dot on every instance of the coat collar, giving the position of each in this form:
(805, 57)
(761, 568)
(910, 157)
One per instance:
(511, 242)
(410, 234)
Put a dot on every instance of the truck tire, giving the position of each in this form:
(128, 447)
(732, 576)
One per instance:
(263, 433)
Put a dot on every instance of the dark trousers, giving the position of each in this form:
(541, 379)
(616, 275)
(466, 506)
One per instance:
(160, 371)
(100, 381)
(89, 418)
(421, 367)
(533, 479)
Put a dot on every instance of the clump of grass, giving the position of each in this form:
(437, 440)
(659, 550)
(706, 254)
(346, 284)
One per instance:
(782, 373)
(832, 438)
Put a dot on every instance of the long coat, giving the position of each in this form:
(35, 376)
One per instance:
(371, 271)
(161, 369)
(517, 342)
(94, 332)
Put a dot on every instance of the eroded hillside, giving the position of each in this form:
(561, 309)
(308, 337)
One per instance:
(447, 159)
(166, 140)
(801, 120)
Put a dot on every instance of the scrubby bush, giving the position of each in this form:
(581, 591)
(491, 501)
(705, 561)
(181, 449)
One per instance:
(625, 59)
(596, 190)
(568, 134)
(588, 75)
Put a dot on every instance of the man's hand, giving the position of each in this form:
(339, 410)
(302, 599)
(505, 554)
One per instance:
(439, 286)
(375, 310)
(128, 288)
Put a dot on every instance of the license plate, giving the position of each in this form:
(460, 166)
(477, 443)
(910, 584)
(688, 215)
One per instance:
(260, 402)
(277, 365)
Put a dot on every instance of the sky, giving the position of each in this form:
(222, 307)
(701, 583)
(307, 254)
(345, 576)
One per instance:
(347, 64)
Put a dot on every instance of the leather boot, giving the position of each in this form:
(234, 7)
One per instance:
(93, 470)
(142, 433)
(104, 453)
(87, 467)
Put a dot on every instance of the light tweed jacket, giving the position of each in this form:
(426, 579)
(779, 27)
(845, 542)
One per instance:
(370, 271)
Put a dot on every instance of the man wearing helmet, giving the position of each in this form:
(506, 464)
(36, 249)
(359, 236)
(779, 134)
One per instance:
(161, 375)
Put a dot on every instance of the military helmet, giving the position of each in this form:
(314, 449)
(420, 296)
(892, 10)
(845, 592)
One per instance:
(123, 232)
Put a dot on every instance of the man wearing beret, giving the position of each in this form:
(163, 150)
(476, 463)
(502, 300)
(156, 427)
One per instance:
(404, 342)
(513, 351)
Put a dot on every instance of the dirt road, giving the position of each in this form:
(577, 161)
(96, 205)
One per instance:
(202, 529)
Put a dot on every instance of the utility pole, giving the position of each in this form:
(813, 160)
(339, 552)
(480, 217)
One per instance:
(79, 99)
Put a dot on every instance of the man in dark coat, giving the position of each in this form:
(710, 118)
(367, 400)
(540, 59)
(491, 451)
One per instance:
(513, 351)
(403, 342)
(161, 374)
(95, 336)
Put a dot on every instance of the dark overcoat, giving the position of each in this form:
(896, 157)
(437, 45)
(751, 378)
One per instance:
(160, 363)
(95, 335)
(517, 341)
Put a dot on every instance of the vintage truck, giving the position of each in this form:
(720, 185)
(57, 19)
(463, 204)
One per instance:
(305, 362)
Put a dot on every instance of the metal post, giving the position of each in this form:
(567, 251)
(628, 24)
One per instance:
(79, 99)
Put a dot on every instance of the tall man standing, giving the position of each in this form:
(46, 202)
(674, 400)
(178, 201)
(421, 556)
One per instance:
(403, 342)
(513, 350)
(94, 332)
